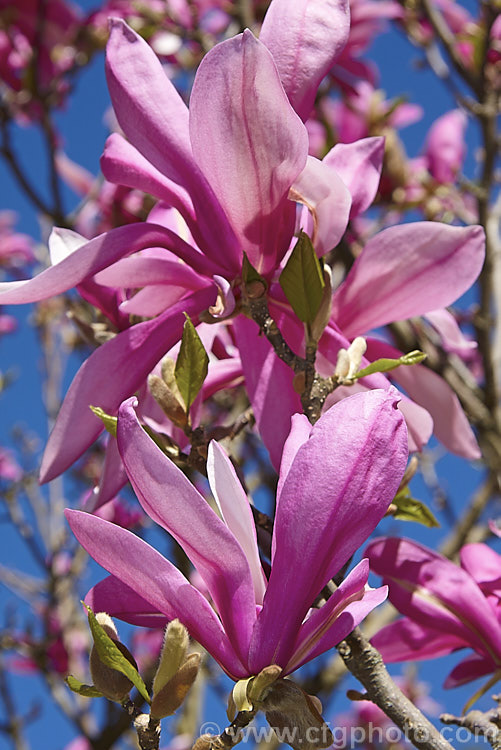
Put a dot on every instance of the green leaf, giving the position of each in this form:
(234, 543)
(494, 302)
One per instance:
(109, 422)
(410, 509)
(386, 364)
(192, 364)
(88, 691)
(111, 655)
(302, 280)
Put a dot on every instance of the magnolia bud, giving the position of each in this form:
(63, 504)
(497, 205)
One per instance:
(111, 683)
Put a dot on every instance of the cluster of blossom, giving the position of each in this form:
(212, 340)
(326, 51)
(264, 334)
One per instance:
(193, 196)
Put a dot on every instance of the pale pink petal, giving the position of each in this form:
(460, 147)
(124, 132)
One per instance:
(170, 499)
(405, 271)
(131, 560)
(235, 511)
(359, 165)
(113, 372)
(446, 147)
(305, 37)
(249, 143)
(324, 516)
(451, 336)
(63, 242)
(328, 200)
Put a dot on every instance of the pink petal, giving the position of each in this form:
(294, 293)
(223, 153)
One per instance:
(430, 589)
(299, 433)
(269, 385)
(484, 566)
(249, 143)
(322, 629)
(452, 337)
(471, 668)
(88, 260)
(170, 499)
(327, 198)
(113, 372)
(406, 640)
(405, 271)
(123, 164)
(324, 515)
(155, 120)
(359, 165)
(305, 37)
(131, 560)
(140, 270)
(235, 510)
(446, 147)
(113, 476)
(428, 389)
(119, 600)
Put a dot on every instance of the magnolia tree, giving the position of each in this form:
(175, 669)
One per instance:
(262, 292)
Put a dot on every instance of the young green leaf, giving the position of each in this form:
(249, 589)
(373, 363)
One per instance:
(250, 276)
(192, 364)
(112, 657)
(88, 691)
(109, 422)
(302, 280)
(410, 509)
(386, 364)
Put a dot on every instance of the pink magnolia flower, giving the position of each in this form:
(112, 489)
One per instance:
(447, 607)
(228, 165)
(322, 518)
(9, 468)
(445, 146)
(16, 250)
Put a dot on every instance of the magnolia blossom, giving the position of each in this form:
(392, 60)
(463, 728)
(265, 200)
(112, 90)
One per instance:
(447, 607)
(336, 481)
(234, 166)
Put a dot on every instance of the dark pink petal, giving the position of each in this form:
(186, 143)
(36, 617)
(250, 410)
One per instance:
(249, 143)
(428, 389)
(471, 668)
(406, 271)
(118, 600)
(154, 118)
(269, 385)
(359, 165)
(170, 499)
(322, 629)
(430, 589)
(305, 37)
(131, 560)
(112, 373)
(328, 200)
(339, 486)
(406, 640)
(94, 256)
